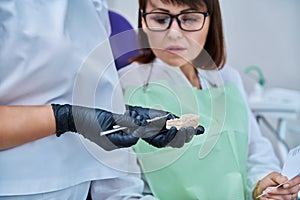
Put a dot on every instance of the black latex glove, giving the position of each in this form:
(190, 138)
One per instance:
(146, 129)
(122, 139)
(89, 122)
(173, 137)
(142, 115)
(156, 134)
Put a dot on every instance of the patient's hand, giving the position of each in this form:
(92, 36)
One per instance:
(288, 191)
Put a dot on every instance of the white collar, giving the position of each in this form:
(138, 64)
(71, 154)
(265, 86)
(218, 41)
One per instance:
(208, 78)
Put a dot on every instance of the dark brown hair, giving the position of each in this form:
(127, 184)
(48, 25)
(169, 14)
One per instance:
(212, 56)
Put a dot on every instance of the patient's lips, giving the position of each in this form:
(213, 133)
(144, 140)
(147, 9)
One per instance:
(175, 49)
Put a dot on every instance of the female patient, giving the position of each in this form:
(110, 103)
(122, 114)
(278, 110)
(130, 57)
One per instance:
(182, 69)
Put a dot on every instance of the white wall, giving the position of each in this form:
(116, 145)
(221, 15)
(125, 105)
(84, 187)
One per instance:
(265, 33)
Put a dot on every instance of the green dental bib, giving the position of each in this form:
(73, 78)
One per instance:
(213, 165)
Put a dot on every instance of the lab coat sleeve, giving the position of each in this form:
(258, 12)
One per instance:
(261, 156)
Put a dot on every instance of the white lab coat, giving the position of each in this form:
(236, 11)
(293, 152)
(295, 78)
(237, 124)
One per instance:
(261, 158)
(57, 52)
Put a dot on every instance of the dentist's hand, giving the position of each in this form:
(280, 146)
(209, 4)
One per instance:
(173, 137)
(155, 132)
(89, 122)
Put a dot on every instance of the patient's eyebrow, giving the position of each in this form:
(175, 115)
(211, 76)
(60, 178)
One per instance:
(165, 10)
(160, 9)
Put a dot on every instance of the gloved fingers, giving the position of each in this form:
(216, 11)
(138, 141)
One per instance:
(163, 138)
(200, 130)
(126, 120)
(172, 137)
(149, 113)
(121, 139)
(105, 120)
(152, 113)
(103, 142)
(151, 129)
(157, 125)
(171, 134)
(179, 139)
(138, 119)
(147, 117)
(157, 141)
(133, 113)
(185, 135)
(190, 132)
(122, 120)
(137, 110)
(171, 116)
(139, 132)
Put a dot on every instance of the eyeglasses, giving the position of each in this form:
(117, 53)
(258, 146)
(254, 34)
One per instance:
(188, 21)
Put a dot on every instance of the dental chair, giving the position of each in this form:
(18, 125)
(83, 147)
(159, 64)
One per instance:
(123, 40)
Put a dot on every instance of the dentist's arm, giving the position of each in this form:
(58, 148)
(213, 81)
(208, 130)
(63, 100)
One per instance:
(22, 124)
